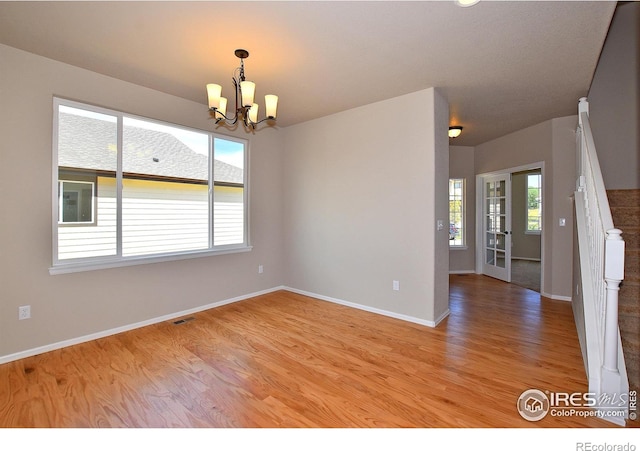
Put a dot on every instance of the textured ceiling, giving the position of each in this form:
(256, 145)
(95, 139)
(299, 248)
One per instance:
(503, 65)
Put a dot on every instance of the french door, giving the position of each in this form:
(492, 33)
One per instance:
(497, 226)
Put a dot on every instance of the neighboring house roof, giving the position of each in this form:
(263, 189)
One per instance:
(148, 152)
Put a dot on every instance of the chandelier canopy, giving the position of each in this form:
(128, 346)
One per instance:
(246, 110)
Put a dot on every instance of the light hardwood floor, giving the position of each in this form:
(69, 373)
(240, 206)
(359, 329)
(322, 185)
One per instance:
(286, 360)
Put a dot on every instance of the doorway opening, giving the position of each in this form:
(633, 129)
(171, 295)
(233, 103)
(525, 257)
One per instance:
(509, 232)
(526, 228)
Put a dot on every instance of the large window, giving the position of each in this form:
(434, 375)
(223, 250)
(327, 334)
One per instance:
(456, 213)
(128, 188)
(534, 203)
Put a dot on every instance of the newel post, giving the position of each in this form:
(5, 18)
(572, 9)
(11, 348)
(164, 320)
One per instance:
(613, 275)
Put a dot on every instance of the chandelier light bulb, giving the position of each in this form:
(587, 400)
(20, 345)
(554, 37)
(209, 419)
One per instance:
(253, 113)
(222, 109)
(271, 105)
(213, 92)
(248, 89)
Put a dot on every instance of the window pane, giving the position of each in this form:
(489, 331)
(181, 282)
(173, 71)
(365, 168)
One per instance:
(228, 192)
(87, 149)
(456, 212)
(165, 189)
(534, 202)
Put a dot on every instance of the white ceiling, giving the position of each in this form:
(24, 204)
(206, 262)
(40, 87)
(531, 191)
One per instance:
(503, 65)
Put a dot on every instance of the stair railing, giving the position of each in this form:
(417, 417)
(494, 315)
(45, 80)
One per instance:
(601, 260)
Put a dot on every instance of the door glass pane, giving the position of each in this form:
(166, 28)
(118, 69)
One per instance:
(500, 240)
(490, 258)
(491, 223)
(500, 259)
(500, 188)
(490, 189)
(491, 240)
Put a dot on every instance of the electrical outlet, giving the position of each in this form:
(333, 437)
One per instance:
(396, 285)
(24, 312)
(260, 269)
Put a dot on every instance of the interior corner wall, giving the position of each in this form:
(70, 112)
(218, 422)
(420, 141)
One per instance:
(362, 197)
(461, 166)
(614, 101)
(553, 143)
(69, 306)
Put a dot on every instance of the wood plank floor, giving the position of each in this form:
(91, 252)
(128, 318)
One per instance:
(286, 360)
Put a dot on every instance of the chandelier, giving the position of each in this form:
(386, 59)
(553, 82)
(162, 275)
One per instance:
(245, 111)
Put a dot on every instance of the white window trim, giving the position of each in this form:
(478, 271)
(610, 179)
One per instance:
(104, 263)
(97, 263)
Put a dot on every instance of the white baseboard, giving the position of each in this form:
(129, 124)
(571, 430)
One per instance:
(463, 271)
(525, 258)
(411, 319)
(556, 297)
(105, 333)
(117, 330)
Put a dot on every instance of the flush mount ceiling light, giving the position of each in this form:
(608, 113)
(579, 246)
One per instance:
(465, 3)
(455, 131)
(245, 111)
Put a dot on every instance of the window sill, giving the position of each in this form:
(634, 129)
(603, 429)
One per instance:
(532, 232)
(458, 248)
(72, 267)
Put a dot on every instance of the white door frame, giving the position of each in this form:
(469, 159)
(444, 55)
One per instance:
(480, 220)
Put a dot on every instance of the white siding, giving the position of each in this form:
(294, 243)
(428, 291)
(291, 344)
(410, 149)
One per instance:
(81, 241)
(158, 217)
(229, 215)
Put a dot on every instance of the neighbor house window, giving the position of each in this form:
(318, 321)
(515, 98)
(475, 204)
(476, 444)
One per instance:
(534, 203)
(75, 202)
(132, 188)
(456, 213)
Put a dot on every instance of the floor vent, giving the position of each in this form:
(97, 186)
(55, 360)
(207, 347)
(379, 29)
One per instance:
(184, 320)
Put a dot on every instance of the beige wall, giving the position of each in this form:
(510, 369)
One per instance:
(362, 197)
(74, 305)
(614, 101)
(461, 165)
(552, 143)
(562, 174)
